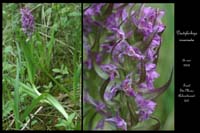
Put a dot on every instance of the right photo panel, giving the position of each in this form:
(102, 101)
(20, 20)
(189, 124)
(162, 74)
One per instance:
(128, 62)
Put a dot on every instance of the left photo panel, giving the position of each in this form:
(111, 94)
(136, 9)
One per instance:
(41, 52)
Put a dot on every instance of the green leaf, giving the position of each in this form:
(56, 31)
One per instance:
(155, 126)
(57, 105)
(152, 94)
(75, 14)
(76, 78)
(16, 90)
(148, 41)
(48, 11)
(103, 88)
(65, 70)
(143, 73)
(7, 50)
(59, 77)
(7, 108)
(54, 80)
(132, 110)
(27, 89)
(91, 121)
(28, 53)
(49, 99)
(147, 125)
(56, 70)
(71, 117)
(51, 43)
(61, 123)
(34, 104)
(24, 88)
(100, 73)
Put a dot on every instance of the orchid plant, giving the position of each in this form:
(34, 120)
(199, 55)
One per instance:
(121, 51)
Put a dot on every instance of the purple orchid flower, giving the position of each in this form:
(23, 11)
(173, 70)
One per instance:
(118, 121)
(27, 20)
(110, 69)
(146, 107)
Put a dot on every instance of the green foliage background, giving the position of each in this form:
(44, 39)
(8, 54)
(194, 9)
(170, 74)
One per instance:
(53, 56)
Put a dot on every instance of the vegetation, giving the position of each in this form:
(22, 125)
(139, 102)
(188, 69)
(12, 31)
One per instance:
(42, 72)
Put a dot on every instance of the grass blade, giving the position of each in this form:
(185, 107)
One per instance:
(34, 103)
(48, 99)
(54, 102)
(50, 45)
(28, 54)
(76, 81)
(16, 91)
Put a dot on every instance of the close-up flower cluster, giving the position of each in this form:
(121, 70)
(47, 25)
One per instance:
(121, 51)
(27, 21)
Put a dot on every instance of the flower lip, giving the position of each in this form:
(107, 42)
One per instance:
(111, 93)
(134, 52)
(110, 69)
(118, 121)
(94, 9)
(146, 107)
(100, 107)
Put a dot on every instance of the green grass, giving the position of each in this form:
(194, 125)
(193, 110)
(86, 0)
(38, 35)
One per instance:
(16, 91)
(43, 71)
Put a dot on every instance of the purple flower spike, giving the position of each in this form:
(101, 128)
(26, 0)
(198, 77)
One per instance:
(118, 121)
(27, 21)
(110, 69)
(123, 41)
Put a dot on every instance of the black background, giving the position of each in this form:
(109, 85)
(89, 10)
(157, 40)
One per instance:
(187, 17)
(187, 114)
